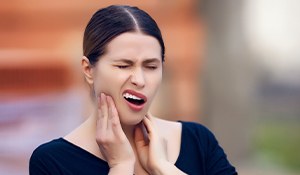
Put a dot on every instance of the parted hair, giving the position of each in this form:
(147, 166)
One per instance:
(107, 23)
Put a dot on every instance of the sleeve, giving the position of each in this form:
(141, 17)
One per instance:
(217, 162)
(36, 164)
(43, 161)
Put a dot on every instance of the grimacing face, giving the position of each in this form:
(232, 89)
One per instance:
(130, 72)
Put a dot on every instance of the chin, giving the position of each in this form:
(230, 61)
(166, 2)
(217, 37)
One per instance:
(133, 120)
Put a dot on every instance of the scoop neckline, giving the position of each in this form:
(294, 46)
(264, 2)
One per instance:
(98, 158)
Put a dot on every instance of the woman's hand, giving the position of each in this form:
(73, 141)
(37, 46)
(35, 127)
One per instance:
(111, 139)
(150, 148)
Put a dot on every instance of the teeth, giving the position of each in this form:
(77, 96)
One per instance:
(127, 95)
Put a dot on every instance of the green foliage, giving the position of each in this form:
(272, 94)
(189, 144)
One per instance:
(279, 143)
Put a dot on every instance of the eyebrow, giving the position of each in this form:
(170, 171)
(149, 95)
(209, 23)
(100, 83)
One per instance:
(148, 60)
(151, 60)
(123, 60)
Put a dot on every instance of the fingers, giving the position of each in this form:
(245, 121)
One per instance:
(102, 114)
(113, 117)
(108, 118)
(148, 125)
(141, 135)
(112, 141)
(138, 136)
(103, 108)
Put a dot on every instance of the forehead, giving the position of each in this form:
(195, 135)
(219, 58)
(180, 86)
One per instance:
(133, 45)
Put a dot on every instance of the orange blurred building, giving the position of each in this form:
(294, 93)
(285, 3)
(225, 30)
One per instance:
(40, 49)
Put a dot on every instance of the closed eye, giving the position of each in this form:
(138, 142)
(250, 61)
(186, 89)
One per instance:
(122, 66)
(152, 67)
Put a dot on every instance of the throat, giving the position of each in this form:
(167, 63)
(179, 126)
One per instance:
(129, 132)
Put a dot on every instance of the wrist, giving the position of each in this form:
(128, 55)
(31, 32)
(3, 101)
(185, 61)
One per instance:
(161, 169)
(122, 168)
(167, 168)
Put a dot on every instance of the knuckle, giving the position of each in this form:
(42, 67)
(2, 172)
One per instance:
(114, 123)
(101, 138)
(104, 140)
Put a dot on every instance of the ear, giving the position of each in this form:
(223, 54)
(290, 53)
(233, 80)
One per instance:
(87, 70)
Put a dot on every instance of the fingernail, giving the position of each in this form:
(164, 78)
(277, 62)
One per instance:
(99, 100)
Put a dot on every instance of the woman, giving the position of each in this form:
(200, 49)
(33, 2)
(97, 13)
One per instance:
(123, 63)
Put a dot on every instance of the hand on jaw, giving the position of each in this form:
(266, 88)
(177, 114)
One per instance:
(111, 139)
(117, 150)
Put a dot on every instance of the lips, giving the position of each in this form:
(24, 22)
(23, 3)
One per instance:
(134, 99)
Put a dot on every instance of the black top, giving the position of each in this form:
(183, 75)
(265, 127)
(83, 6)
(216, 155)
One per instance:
(200, 154)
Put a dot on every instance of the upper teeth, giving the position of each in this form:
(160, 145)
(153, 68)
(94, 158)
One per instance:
(127, 95)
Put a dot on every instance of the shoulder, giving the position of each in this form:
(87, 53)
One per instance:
(196, 132)
(167, 127)
(194, 125)
(197, 138)
(184, 128)
(48, 146)
(213, 153)
(50, 151)
(196, 128)
(42, 158)
(44, 151)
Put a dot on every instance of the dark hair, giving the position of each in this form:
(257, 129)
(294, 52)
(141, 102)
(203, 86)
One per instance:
(109, 22)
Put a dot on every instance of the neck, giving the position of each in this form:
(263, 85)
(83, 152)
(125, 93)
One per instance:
(129, 132)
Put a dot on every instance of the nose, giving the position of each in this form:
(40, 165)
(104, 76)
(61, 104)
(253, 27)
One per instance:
(138, 78)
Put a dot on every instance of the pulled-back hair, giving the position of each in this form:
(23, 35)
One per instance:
(109, 22)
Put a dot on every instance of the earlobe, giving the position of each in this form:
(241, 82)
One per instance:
(87, 70)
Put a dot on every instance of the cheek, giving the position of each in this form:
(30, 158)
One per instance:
(109, 82)
(155, 83)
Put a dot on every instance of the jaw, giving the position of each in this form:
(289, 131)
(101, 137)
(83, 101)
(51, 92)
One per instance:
(129, 117)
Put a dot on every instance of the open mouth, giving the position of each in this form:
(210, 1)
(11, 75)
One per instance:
(134, 99)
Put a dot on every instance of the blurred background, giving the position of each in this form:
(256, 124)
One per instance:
(233, 65)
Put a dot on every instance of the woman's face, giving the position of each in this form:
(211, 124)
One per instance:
(130, 72)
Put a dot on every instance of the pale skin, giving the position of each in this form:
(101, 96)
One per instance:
(131, 141)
